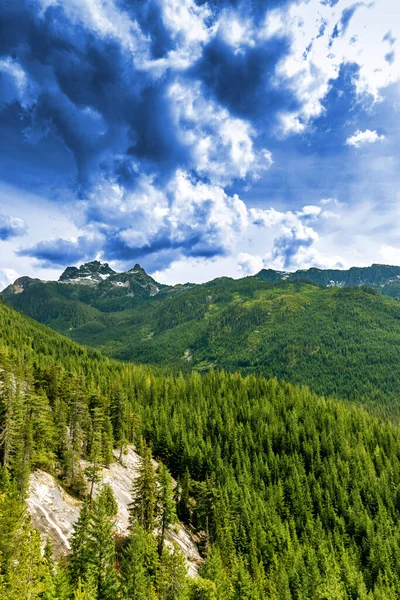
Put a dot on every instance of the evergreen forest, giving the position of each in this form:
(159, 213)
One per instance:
(289, 494)
(338, 341)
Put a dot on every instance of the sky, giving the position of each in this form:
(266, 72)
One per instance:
(199, 138)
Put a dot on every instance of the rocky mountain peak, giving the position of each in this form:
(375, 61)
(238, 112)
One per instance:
(19, 286)
(90, 272)
(137, 269)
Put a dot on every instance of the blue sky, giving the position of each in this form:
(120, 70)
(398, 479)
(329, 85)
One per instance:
(199, 138)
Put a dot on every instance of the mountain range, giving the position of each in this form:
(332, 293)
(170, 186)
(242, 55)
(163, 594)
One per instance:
(336, 331)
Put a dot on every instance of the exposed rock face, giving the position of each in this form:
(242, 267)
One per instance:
(19, 286)
(91, 272)
(54, 512)
(135, 282)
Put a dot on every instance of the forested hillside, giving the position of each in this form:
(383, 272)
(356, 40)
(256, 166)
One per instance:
(291, 495)
(341, 342)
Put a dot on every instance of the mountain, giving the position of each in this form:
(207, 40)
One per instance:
(288, 494)
(81, 294)
(340, 341)
(91, 272)
(384, 278)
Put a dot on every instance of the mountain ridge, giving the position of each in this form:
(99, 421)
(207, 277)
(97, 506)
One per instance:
(334, 339)
(378, 275)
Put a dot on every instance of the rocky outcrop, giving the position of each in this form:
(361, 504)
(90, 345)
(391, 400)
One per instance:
(90, 273)
(19, 286)
(54, 511)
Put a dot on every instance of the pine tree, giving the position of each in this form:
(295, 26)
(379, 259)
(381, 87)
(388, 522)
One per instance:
(108, 498)
(12, 520)
(165, 504)
(172, 582)
(50, 577)
(10, 421)
(183, 504)
(119, 418)
(28, 577)
(95, 456)
(77, 417)
(143, 505)
(80, 545)
(243, 586)
(84, 591)
(214, 570)
(102, 549)
(139, 565)
(202, 589)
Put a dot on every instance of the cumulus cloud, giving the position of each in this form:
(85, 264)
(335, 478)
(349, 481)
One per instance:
(249, 264)
(156, 113)
(360, 138)
(324, 37)
(60, 252)
(7, 276)
(11, 227)
(185, 217)
(294, 237)
(222, 146)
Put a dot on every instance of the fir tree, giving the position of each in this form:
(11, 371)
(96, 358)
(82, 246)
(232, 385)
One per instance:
(165, 503)
(27, 580)
(171, 581)
(101, 549)
(139, 565)
(80, 545)
(143, 505)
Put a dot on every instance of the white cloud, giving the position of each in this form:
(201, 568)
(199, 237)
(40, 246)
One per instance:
(324, 37)
(249, 264)
(311, 211)
(335, 201)
(7, 276)
(294, 237)
(221, 145)
(390, 254)
(186, 20)
(236, 30)
(360, 138)
(15, 84)
(104, 18)
(187, 215)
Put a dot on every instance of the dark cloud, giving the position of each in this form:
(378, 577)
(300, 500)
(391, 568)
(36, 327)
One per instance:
(91, 100)
(147, 13)
(87, 114)
(11, 227)
(253, 8)
(60, 252)
(244, 81)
